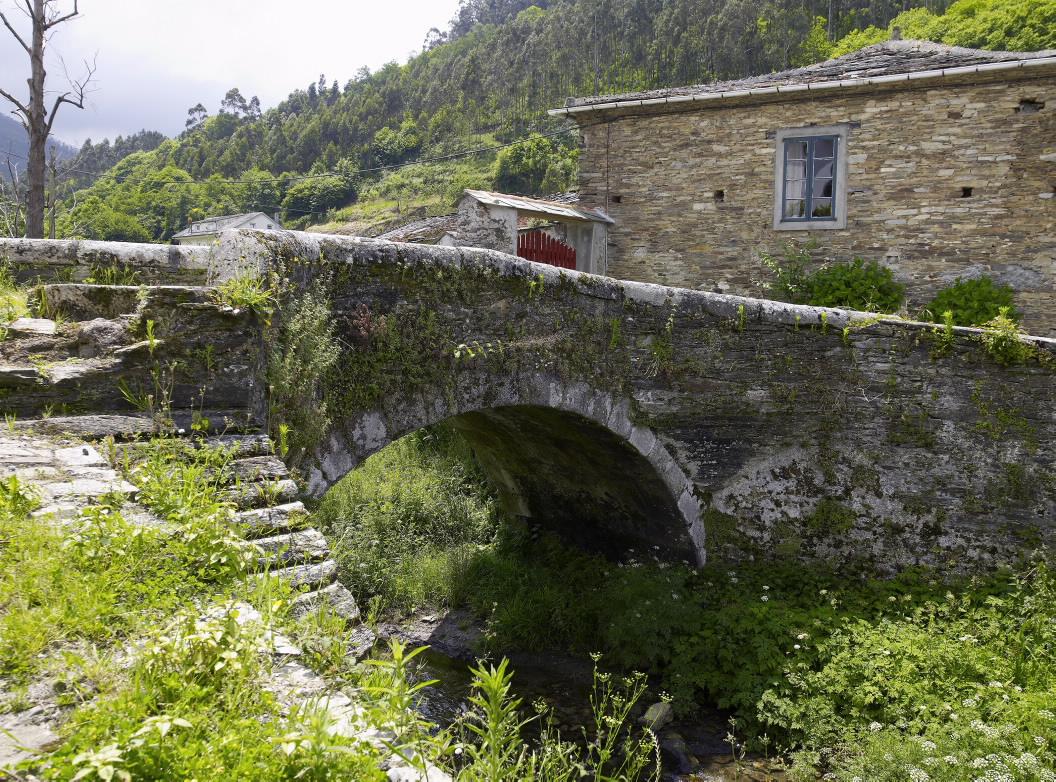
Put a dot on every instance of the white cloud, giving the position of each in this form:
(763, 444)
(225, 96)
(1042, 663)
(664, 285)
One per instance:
(156, 58)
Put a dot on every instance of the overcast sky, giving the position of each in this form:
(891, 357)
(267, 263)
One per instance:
(157, 58)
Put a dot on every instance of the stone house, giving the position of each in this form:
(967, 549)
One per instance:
(938, 161)
(206, 231)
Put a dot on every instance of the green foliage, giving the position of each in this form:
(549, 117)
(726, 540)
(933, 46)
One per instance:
(538, 166)
(302, 353)
(1004, 341)
(315, 196)
(192, 708)
(247, 291)
(14, 302)
(405, 523)
(972, 302)
(1005, 25)
(492, 734)
(116, 274)
(856, 285)
(63, 584)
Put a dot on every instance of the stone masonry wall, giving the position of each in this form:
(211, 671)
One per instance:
(777, 430)
(911, 152)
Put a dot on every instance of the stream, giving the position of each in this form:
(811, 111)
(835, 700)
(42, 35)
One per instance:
(691, 750)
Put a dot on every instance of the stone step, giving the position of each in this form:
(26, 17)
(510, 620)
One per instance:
(292, 548)
(259, 495)
(335, 596)
(19, 377)
(240, 445)
(314, 576)
(81, 302)
(274, 520)
(133, 426)
(256, 468)
(31, 327)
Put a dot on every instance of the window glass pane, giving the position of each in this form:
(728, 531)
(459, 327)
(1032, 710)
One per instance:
(822, 207)
(822, 168)
(795, 208)
(822, 188)
(796, 169)
(795, 150)
(796, 188)
(824, 147)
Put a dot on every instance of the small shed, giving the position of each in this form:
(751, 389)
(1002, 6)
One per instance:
(559, 232)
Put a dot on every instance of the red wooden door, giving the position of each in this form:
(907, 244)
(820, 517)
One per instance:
(542, 247)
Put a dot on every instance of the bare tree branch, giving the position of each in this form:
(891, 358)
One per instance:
(79, 90)
(14, 32)
(56, 21)
(17, 103)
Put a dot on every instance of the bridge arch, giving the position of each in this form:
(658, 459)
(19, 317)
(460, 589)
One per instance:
(564, 455)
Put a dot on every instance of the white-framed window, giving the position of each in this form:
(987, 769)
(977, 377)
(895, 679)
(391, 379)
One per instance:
(810, 178)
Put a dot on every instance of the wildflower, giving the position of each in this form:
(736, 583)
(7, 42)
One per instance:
(795, 646)
(918, 775)
(970, 703)
(801, 637)
(766, 588)
(892, 599)
(764, 598)
(950, 760)
(823, 592)
(876, 726)
(1039, 741)
(928, 745)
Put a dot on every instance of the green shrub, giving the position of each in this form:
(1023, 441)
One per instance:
(856, 285)
(303, 352)
(972, 302)
(1004, 341)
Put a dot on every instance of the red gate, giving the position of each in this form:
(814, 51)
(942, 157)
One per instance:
(542, 247)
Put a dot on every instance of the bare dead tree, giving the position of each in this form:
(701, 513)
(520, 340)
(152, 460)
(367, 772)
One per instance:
(44, 16)
(12, 214)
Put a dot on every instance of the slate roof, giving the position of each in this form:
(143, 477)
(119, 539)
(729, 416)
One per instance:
(428, 230)
(890, 59)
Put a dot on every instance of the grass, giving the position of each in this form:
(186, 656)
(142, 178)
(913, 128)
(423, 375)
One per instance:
(140, 633)
(14, 301)
(915, 677)
(407, 523)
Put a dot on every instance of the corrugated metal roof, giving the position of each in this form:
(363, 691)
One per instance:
(538, 207)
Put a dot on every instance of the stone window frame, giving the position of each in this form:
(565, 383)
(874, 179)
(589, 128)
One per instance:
(841, 132)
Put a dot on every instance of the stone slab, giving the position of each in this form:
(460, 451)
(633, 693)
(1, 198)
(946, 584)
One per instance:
(32, 327)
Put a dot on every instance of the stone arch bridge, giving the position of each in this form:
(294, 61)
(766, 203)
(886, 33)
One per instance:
(630, 415)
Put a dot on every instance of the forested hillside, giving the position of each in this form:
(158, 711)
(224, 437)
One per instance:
(485, 82)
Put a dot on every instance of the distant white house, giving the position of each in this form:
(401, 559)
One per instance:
(205, 231)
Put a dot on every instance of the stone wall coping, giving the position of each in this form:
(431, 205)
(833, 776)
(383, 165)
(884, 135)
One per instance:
(71, 252)
(237, 251)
